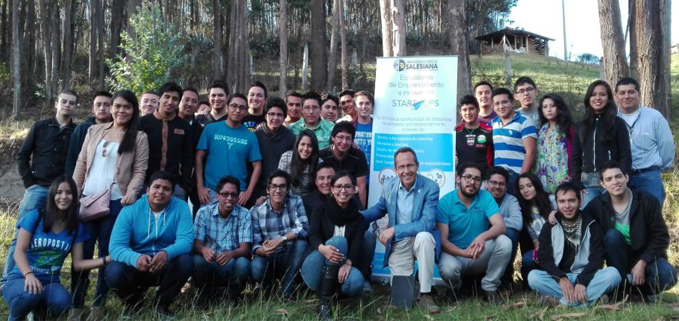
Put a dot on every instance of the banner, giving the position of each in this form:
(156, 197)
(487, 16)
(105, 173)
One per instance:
(415, 106)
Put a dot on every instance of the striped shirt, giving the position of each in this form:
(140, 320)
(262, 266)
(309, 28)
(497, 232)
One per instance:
(268, 225)
(219, 234)
(508, 141)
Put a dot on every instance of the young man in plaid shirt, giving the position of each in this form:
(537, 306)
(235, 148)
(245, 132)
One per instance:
(222, 240)
(280, 227)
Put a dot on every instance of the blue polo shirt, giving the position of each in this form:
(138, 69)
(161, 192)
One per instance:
(465, 224)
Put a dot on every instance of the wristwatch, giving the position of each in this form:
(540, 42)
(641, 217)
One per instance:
(285, 238)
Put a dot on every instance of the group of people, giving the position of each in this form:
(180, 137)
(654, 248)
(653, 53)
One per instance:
(279, 191)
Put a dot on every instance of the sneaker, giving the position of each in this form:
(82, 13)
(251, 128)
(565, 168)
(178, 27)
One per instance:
(492, 297)
(366, 287)
(548, 301)
(427, 303)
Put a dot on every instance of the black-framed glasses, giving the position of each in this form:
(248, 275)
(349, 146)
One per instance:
(227, 195)
(496, 183)
(238, 107)
(525, 90)
(339, 188)
(281, 187)
(471, 178)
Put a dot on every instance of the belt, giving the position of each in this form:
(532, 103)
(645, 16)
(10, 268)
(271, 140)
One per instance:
(644, 170)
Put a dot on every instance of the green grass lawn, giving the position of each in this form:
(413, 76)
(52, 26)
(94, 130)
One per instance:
(551, 75)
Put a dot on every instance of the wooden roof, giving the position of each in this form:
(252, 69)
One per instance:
(510, 31)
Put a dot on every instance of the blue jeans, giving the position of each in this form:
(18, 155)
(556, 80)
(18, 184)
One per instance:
(368, 253)
(286, 262)
(592, 193)
(513, 235)
(130, 284)
(54, 299)
(604, 281)
(660, 275)
(210, 276)
(99, 231)
(527, 264)
(34, 198)
(650, 182)
(312, 269)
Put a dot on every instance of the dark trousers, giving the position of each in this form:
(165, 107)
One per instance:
(660, 275)
(513, 235)
(130, 284)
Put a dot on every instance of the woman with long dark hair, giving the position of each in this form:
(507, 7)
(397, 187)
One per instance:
(336, 240)
(46, 236)
(114, 156)
(301, 162)
(555, 138)
(600, 136)
(535, 208)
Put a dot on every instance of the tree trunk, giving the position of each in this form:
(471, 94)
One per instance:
(67, 43)
(4, 32)
(633, 51)
(238, 68)
(651, 66)
(399, 28)
(116, 26)
(218, 70)
(387, 23)
(16, 60)
(56, 48)
(30, 44)
(615, 59)
(45, 26)
(343, 45)
(101, 11)
(94, 4)
(460, 46)
(332, 60)
(318, 52)
(665, 62)
(283, 35)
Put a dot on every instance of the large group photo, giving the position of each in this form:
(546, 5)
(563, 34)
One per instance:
(338, 160)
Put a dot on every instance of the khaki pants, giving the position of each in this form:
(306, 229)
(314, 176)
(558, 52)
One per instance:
(404, 253)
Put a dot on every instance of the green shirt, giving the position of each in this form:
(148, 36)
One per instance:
(622, 220)
(322, 131)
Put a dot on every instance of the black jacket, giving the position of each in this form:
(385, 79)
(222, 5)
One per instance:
(648, 231)
(42, 156)
(588, 259)
(590, 154)
(322, 229)
(311, 200)
(76, 144)
(180, 148)
(272, 146)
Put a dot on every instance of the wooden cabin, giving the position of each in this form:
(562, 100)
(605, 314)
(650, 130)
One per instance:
(514, 40)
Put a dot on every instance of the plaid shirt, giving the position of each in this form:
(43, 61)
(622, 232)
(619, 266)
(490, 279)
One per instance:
(268, 225)
(223, 235)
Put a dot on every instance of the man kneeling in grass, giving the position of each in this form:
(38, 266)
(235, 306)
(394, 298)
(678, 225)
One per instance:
(571, 256)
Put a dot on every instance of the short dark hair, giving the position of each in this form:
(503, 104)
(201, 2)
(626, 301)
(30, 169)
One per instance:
(191, 89)
(279, 173)
(503, 91)
(626, 81)
(260, 85)
(344, 126)
(330, 97)
(345, 92)
(405, 149)
(498, 170)
(463, 167)
(565, 188)
(103, 93)
(367, 94)
(228, 180)
(220, 84)
(161, 175)
(322, 166)
(69, 92)
(293, 94)
(311, 95)
(276, 102)
(524, 80)
(236, 95)
(170, 87)
(611, 164)
(483, 83)
(341, 174)
(469, 100)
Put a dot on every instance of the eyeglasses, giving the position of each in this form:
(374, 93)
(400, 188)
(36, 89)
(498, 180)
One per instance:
(408, 166)
(281, 187)
(104, 152)
(311, 108)
(275, 114)
(496, 183)
(235, 107)
(339, 188)
(227, 195)
(470, 178)
(525, 90)
(343, 138)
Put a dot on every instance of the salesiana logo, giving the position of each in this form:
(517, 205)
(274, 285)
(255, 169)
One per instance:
(401, 65)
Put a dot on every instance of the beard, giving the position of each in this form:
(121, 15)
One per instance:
(469, 195)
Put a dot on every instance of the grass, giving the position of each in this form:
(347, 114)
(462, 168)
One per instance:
(551, 75)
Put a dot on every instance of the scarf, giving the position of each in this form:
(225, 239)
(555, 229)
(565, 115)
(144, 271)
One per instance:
(573, 231)
(342, 216)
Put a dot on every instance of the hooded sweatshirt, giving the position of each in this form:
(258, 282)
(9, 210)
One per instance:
(136, 231)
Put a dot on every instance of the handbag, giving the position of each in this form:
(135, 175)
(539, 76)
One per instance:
(96, 205)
